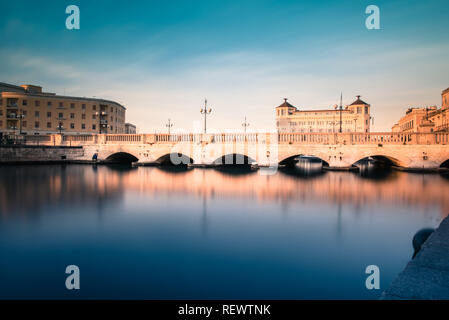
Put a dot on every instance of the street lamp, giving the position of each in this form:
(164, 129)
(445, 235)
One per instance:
(169, 125)
(341, 110)
(205, 111)
(245, 124)
(60, 127)
(20, 117)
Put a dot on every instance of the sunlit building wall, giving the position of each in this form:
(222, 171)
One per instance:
(354, 118)
(27, 109)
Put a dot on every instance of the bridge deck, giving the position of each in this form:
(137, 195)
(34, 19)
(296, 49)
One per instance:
(426, 276)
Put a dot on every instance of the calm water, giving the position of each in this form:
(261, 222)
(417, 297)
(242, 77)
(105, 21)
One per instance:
(203, 233)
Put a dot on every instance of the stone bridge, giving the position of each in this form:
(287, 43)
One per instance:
(337, 150)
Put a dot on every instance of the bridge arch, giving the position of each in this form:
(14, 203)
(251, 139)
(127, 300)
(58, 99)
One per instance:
(387, 160)
(291, 159)
(174, 159)
(121, 157)
(234, 159)
(445, 164)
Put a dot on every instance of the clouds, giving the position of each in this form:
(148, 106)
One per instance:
(243, 59)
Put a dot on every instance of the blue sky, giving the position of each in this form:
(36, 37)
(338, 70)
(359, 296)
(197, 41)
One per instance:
(162, 58)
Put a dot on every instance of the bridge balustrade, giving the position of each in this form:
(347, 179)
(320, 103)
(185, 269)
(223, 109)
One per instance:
(119, 138)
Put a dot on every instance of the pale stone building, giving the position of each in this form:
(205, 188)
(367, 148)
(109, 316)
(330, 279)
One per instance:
(354, 118)
(427, 119)
(130, 128)
(26, 109)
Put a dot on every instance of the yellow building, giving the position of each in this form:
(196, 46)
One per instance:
(354, 118)
(426, 120)
(27, 110)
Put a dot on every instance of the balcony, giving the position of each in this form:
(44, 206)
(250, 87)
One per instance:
(11, 105)
(11, 116)
(103, 122)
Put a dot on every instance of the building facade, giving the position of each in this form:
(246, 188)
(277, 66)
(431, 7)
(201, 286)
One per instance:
(130, 128)
(427, 119)
(26, 109)
(354, 118)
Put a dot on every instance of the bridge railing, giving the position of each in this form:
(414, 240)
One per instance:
(376, 138)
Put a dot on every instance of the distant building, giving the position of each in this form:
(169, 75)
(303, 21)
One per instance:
(130, 128)
(427, 119)
(26, 109)
(355, 118)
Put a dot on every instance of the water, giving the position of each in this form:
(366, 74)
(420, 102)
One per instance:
(160, 233)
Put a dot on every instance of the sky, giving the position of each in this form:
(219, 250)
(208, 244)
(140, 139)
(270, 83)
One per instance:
(161, 59)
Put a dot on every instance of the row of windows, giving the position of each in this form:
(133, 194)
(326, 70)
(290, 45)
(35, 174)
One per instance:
(37, 103)
(319, 123)
(60, 115)
(408, 125)
(50, 125)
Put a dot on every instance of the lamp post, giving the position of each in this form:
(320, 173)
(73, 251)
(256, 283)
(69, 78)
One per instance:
(169, 125)
(205, 111)
(20, 117)
(60, 127)
(245, 124)
(341, 110)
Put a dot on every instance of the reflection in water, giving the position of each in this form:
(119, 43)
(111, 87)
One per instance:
(303, 166)
(208, 233)
(236, 170)
(374, 169)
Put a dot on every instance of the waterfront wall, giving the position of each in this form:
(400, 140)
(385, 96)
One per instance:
(15, 154)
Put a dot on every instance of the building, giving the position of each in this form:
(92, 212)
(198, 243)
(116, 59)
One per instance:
(354, 118)
(26, 109)
(130, 128)
(426, 119)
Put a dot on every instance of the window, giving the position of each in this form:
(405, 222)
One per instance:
(24, 124)
(24, 103)
(83, 106)
(24, 112)
(359, 110)
(83, 126)
(83, 116)
(36, 114)
(72, 126)
(1, 123)
(48, 114)
(72, 106)
(366, 110)
(48, 124)
(49, 104)
(37, 103)
(94, 127)
(72, 116)
(94, 107)
(94, 116)
(36, 124)
(61, 104)
(60, 115)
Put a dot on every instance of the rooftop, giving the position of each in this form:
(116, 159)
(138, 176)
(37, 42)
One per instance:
(23, 90)
(358, 102)
(286, 104)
